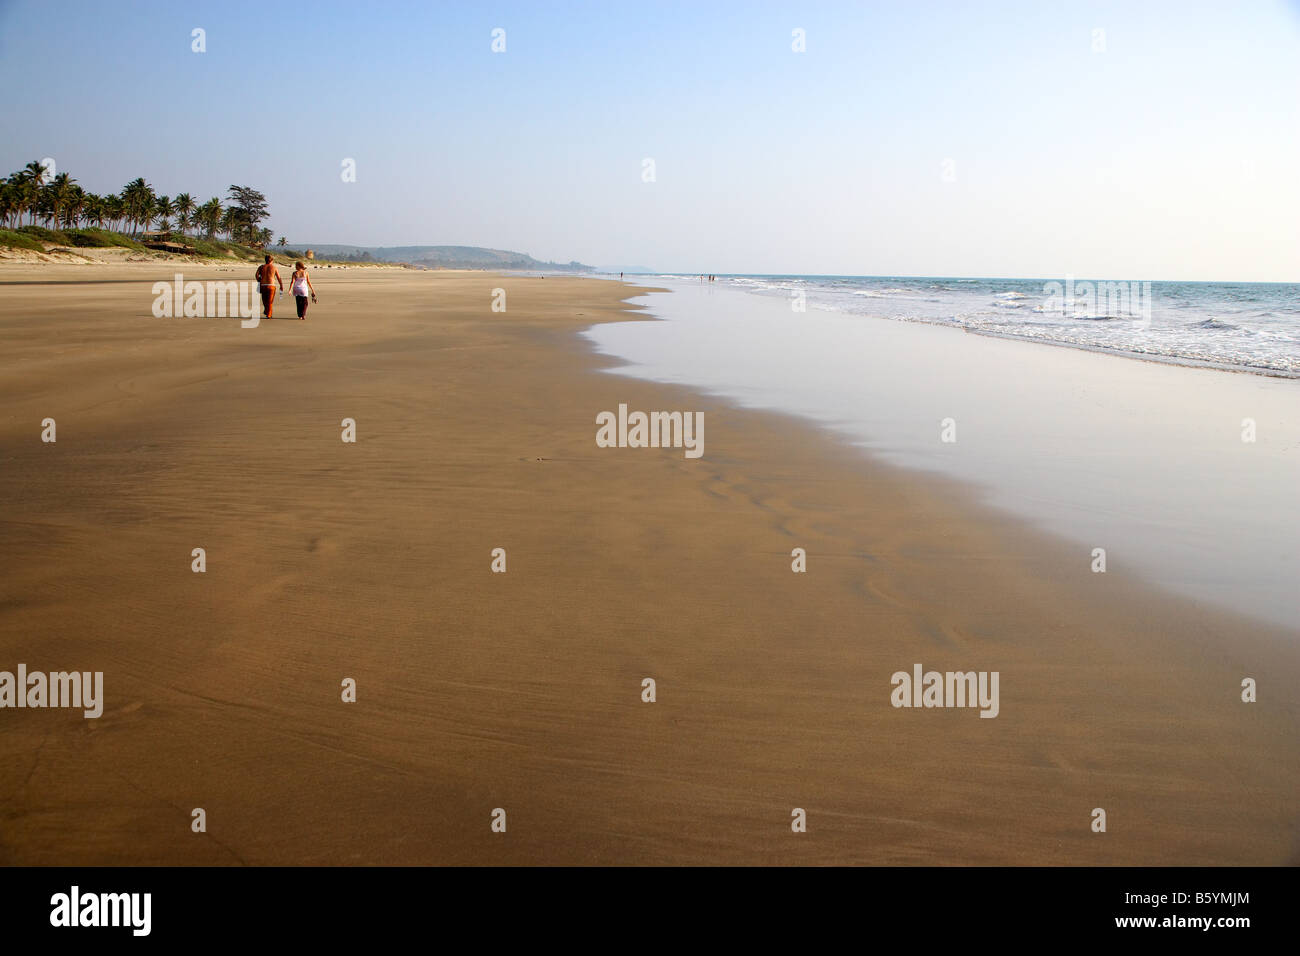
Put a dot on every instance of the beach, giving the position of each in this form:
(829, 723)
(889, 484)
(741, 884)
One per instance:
(1182, 474)
(523, 691)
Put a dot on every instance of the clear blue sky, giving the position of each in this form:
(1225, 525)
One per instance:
(1172, 154)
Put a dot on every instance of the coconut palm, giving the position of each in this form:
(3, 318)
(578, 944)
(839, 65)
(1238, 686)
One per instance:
(96, 210)
(184, 208)
(44, 209)
(138, 200)
(59, 193)
(33, 176)
(68, 195)
(210, 215)
(73, 206)
(115, 210)
(230, 222)
(8, 201)
(162, 211)
(32, 193)
(27, 190)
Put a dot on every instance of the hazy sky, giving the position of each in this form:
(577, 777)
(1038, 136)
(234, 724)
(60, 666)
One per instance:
(1170, 154)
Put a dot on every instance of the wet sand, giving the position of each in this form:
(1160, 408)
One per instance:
(522, 690)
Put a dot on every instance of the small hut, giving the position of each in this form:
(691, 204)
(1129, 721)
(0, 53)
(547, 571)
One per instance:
(176, 248)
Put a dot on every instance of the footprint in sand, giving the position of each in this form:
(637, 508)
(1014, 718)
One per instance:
(322, 545)
(956, 636)
(111, 716)
(884, 594)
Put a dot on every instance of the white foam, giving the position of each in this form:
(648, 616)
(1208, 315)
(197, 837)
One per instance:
(1136, 457)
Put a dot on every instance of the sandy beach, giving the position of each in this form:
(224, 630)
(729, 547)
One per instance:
(477, 690)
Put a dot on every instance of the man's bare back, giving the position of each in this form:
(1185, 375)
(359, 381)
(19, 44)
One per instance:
(268, 274)
(268, 277)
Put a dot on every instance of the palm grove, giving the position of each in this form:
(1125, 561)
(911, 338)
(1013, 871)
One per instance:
(58, 202)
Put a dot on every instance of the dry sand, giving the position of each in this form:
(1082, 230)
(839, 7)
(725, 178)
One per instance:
(522, 690)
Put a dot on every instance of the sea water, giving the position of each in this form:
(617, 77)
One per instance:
(1186, 474)
(1247, 326)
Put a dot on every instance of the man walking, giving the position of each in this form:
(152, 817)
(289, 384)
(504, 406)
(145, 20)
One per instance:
(266, 274)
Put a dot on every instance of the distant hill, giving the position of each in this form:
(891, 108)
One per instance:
(442, 257)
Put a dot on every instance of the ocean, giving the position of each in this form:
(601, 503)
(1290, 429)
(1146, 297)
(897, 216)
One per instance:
(1185, 474)
(1248, 326)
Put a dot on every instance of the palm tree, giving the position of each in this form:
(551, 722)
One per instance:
(44, 210)
(57, 193)
(138, 200)
(162, 211)
(27, 187)
(210, 216)
(229, 222)
(143, 200)
(184, 208)
(8, 200)
(115, 209)
(32, 176)
(127, 202)
(96, 210)
(59, 202)
(73, 206)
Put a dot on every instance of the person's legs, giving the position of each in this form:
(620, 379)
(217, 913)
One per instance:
(268, 297)
(302, 306)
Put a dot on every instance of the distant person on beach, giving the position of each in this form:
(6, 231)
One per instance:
(266, 274)
(301, 287)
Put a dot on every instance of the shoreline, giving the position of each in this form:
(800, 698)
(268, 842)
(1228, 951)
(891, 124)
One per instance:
(833, 289)
(523, 690)
(1148, 460)
(1172, 360)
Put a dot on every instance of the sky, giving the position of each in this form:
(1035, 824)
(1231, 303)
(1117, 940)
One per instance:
(1136, 140)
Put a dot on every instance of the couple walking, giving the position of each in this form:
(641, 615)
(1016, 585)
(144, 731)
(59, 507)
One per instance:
(268, 276)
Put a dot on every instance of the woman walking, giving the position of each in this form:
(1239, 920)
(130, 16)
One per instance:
(301, 288)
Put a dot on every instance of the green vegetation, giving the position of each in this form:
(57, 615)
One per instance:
(43, 234)
(58, 203)
(216, 249)
(102, 239)
(16, 240)
(85, 238)
(41, 212)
